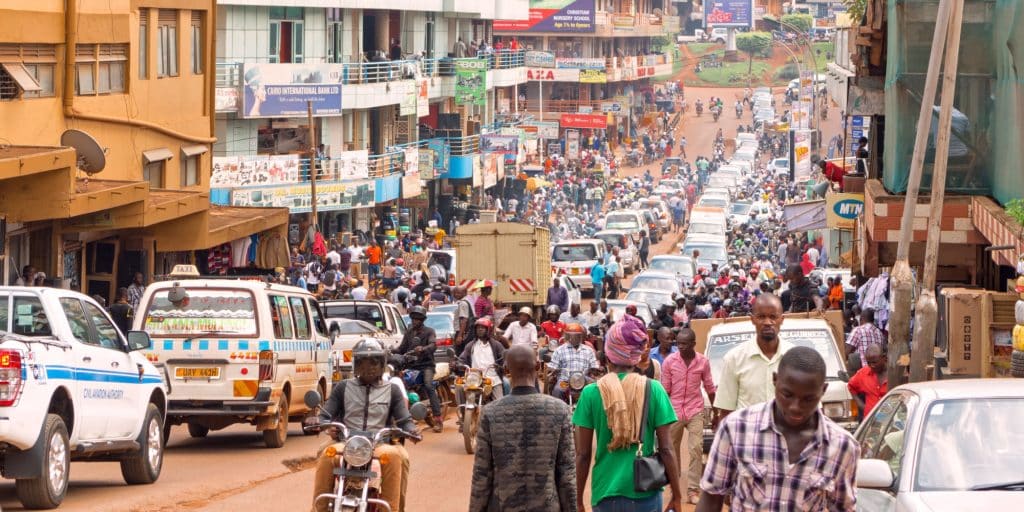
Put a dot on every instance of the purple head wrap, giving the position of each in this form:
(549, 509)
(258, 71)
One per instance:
(625, 341)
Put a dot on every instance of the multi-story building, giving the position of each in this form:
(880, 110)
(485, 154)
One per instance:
(138, 77)
(376, 82)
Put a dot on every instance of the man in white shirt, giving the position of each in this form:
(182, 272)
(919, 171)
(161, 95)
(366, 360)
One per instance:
(360, 291)
(313, 270)
(573, 316)
(522, 332)
(594, 316)
(333, 255)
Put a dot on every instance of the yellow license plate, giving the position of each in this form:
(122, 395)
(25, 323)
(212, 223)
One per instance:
(575, 271)
(197, 373)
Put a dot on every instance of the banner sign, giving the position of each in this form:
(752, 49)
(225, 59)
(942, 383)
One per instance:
(801, 155)
(410, 99)
(587, 121)
(580, 64)
(552, 75)
(422, 97)
(227, 99)
(441, 154)
(612, 106)
(572, 144)
(593, 76)
(471, 81)
(729, 13)
(490, 169)
(504, 144)
(427, 164)
(347, 165)
(330, 196)
(553, 16)
(282, 90)
(245, 171)
(623, 21)
(536, 59)
(842, 210)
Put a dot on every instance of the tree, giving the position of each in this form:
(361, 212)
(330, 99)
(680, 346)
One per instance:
(753, 43)
(799, 23)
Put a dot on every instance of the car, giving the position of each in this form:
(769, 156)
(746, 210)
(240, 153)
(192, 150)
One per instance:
(442, 308)
(724, 181)
(575, 258)
(345, 333)
(617, 307)
(443, 324)
(661, 209)
(653, 298)
(762, 103)
(739, 212)
(73, 387)
(380, 313)
(712, 249)
(745, 136)
(745, 154)
(713, 200)
(670, 162)
(778, 166)
(681, 266)
(733, 169)
(668, 187)
(629, 254)
(718, 35)
(445, 258)
(575, 294)
(948, 445)
(630, 220)
(656, 280)
(653, 227)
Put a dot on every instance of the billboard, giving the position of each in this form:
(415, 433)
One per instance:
(244, 171)
(593, 76)
(471, 81)
(283, 90)
(842, 210)
(347, 165)
(441, 152)
(572, 144)
(504, 144)
(329, 196)
(729, 13)
(537, 59)
(553, 16)
(580, 63)
(587, 121)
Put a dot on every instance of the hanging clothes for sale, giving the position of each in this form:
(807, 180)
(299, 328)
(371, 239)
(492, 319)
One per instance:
(218, 259)
(273, 251)
(240, 252)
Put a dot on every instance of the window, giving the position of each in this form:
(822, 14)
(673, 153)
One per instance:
(30, 317)
(4, 302)
(211, 311)
(190, 164)
(167, 43)
(281, 317)
(27, 70)
(105, 330)
(318, 322)
(43, 73)
(335, 39)
(143, 43)
(286, 34)
(154, 162)
(301, 318)
(100, 68)
(882, 438)
(197, 42)
(76, 320)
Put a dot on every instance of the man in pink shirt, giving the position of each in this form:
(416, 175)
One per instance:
(682, 376)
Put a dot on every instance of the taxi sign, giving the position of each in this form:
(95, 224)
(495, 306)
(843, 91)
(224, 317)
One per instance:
(184, 271)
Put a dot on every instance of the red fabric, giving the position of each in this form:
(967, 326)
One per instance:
(834, 173)
(553, 330)
(865, 381)
(319, 247)
(806, 265)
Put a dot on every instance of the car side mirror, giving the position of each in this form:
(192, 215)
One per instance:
(138, 340)
(312, 399)
(874, 474)
(843, 376)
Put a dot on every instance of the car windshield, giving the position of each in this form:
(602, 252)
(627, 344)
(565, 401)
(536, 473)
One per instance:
(574, 252)
(617, 310)
(203, 310)
(656, 283)
(707, 252)
(653, 298)
(818, 339)
(620, 221)
(705, 228)
(782, 162)
(971, 443)
(443, 323)
(740, 208)
(356, 327)
(369, 313)
(612, 239)
(677, 266)
(718, 202)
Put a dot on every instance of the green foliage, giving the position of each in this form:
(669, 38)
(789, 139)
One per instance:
(856, 10)
(726, 76)
(1015, 209)
(754, 43)
(787, 72)
(800, 23)
(659, 43)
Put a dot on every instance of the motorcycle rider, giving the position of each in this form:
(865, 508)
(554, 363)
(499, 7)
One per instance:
(571, 356)
(349, 404)
(484, 353)
(418, 345)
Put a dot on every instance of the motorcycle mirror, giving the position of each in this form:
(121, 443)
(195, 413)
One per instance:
(418, 411)
(312, 399)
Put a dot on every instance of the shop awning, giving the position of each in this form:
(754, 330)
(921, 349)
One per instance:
(215, 226)
(198, 149)
(157, 155)
(157, 207)
(26, 82)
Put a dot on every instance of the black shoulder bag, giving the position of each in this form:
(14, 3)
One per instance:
(648, 472)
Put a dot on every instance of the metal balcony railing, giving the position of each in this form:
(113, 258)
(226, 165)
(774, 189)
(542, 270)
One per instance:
(463, 146)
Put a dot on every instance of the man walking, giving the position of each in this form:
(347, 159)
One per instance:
(864, 336)
(557, 296)
(802, 459)
(872, 380)
(682, 375)
(597, 279)
(525, 460)
(134, 291)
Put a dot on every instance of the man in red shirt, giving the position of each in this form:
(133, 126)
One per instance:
(871, 380)
(552, 327)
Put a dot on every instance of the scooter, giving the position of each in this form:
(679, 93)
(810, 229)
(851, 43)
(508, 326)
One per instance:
(478, 391)
(357, 479)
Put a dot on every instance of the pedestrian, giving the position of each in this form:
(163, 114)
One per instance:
(872, 380)
(597, 278)
(802, 296)
(135, 290)
(614, 274)
(864, 336)
(374, 255)
(645, 248)
(525, 459)
(683, 374)
(557, 295)
(121, 311)
(483, 305)
(620, 409)
(783, 454)
(745, 378)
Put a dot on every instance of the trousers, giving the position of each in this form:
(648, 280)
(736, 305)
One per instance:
(598, 290)
(394, 469)
(694, 428)
(428, 383)
(624, 504)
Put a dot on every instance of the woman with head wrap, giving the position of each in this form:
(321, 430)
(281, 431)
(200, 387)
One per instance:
(612, 408)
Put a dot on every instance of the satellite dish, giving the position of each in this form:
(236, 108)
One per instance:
(91, 157)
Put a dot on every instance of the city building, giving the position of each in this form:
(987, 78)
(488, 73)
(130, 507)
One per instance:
(138, 79)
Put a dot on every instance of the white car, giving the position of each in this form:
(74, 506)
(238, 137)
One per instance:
(713, 200)
(575, 258)
(617, 308)
(949, 445)
(682, 266)
(629, 255)
(779, 166)
(739, 212)
(657, 280)
(653, 298)
(73, 388)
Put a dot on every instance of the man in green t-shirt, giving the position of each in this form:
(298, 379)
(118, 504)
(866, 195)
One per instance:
(612, 488)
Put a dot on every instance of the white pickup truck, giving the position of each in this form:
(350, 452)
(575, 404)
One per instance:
(73, 387)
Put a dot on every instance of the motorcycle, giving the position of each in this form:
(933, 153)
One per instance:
(715, 112)
(572, 388)
(357, 479)
(413, 380)
(477, 391)
(700, 109)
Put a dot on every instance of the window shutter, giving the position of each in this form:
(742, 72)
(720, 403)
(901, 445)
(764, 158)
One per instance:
(168, 17)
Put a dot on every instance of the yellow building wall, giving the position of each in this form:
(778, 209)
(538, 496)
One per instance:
(182, 104)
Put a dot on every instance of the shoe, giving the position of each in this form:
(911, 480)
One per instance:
(438, 424)
(692, 497)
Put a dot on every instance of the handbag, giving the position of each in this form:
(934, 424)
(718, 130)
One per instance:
(648, 472)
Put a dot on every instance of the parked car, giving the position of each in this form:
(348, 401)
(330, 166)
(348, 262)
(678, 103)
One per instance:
(950, 445)
(653, 279)
(629, 255)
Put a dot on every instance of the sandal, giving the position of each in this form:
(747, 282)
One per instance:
(692, 497)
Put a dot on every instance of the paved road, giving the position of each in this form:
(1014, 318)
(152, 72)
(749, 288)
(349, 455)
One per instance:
(231, 470)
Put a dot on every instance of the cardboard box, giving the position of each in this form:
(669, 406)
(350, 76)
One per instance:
(964, 313)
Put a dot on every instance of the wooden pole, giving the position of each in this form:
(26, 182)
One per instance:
(901, 281)
(312, 162)
(927, 309)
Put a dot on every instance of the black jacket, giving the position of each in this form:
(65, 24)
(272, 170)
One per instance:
(466, 357)
(425, 337)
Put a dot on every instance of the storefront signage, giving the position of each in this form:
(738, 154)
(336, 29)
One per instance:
(504, 144)
(471, 82)
(409, 100)
(645, 71)
(422, 97)
(427, 164)
(227, 99)
(611, 106)
(330, 196)
(348, 165)
(282, 90)
(801, 155)
(441, 154)
(536, 59)
(553, 16)
(580, 64)
(586, 121)
(572, 144)
(490, 169)
(593, 76)
(546, 129)
(552, 75)
(410, 172)
(244, 171)
(843, 209)
(729, 13)
(623, 21)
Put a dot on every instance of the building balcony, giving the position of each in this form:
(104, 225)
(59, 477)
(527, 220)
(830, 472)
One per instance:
(610, 24)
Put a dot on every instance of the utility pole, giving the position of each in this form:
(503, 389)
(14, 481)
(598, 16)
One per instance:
(901, 280)
(312, 163)
(927, 309)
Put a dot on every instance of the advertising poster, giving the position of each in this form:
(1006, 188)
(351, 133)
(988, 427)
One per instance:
(842, 210)
(546, 129)
(282, 90)
(422, 97)
(478, 171)
(227, 99)
(410, 100)
(536, 59)
(410, 172)
(471, 82)
(441, 154)
(553, 16)
(504, 144)
(246, 171)
(801, 155)
(580, 63)
(490, 169)
(347, 165)
(572, 144)
(729, 13)
(614, 107)
(330, 197)
(586, 121)
(427, 164)
(593, 76)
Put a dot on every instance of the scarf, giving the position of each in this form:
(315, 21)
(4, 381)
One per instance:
(623, 405)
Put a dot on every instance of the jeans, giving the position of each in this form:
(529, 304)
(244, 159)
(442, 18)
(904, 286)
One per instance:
(394, 469)
(428, 382)
(623, 504)
(373, 271)
(598, 289)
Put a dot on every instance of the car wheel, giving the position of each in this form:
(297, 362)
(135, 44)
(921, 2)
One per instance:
(48, 490)
(143, 466)
(275, 437)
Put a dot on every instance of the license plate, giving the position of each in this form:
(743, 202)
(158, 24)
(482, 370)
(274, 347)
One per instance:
(197, 373)
(575, 271)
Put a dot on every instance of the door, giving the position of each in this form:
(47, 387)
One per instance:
(122, 382)
(881, 437)
(305, 370)
(89, 363)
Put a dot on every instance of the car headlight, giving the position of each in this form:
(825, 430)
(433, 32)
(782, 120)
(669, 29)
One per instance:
(577, 381)
(836, 410)
(358, 451)
(474, 380)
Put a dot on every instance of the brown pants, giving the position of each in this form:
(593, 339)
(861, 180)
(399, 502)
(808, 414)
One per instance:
(394, 469)
(694, 429)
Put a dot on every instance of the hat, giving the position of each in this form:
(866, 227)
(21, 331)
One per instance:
(438, 287)
(525, 310)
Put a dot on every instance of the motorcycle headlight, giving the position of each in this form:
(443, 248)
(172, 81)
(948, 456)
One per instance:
(836, 410)
(358, 451)
(577, 381)
(474, 380)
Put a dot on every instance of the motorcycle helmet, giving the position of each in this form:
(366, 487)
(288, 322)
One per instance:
(418, 312)
(369, 349)
(574, 328)
(553, 310)
(485, 322)
(399, 262)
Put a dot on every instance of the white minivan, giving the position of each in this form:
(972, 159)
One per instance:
(236, 351)
(575, 258)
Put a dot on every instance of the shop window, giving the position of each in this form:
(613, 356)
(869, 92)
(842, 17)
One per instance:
(286, 34)
(197, 42)
(143, 46)
(100, 68)
(167, 43)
